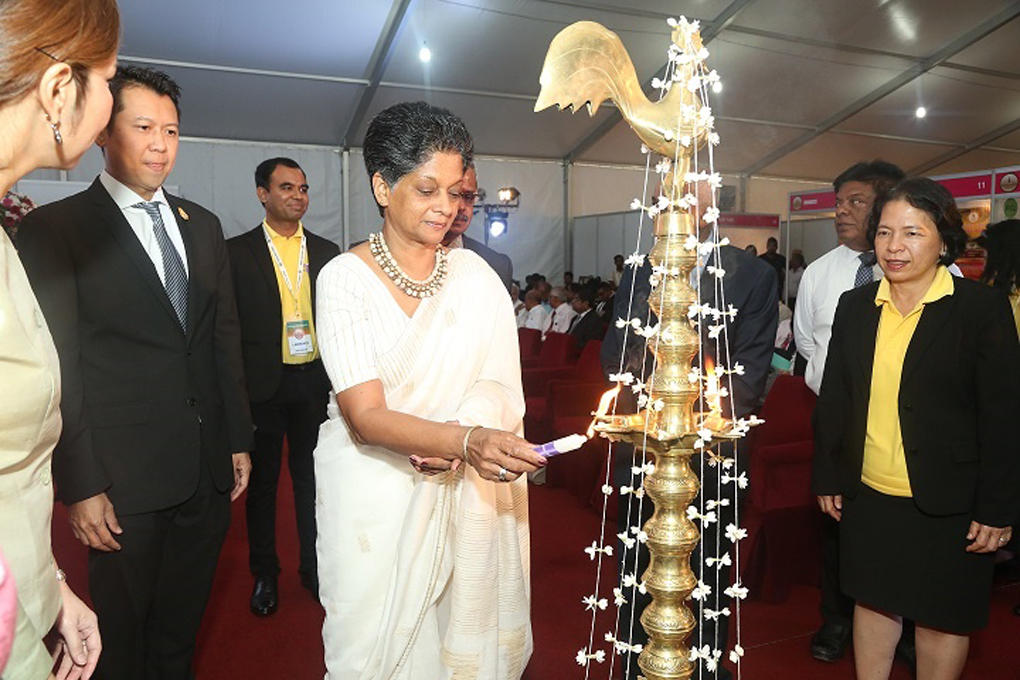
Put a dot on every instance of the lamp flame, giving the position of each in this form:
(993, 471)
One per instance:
(605, 402)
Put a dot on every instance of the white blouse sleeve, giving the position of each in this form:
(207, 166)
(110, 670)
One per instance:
(343, 327)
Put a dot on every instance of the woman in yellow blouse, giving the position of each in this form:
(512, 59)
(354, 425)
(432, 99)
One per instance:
(55, 59)
(915, 453)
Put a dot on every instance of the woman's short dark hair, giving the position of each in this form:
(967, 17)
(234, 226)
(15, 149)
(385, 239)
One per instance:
(405, 135)
(1002, 242)
(936, 202)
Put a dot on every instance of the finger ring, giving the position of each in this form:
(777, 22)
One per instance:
(502, 474)
(1003, 539)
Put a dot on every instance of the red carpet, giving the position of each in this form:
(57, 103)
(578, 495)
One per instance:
(234, 644)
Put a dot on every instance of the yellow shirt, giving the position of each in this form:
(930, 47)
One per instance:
(300, 309)
(885, 465)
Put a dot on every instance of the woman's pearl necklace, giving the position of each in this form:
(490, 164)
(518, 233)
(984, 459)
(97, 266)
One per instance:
(407, 285)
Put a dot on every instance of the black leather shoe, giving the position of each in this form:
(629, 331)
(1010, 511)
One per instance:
(264, 596)
(829, 643)
(906, 652)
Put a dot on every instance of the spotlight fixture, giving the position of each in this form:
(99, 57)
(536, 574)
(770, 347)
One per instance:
(425, 54)
(921, 112)
(497, 222)
(509, 196)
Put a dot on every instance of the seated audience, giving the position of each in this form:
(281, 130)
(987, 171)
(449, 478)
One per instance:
(519, 309)
(587, 325)
(604, 300)
(536, 316)
(562, 312)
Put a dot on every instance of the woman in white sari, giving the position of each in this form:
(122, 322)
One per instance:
(420, 470)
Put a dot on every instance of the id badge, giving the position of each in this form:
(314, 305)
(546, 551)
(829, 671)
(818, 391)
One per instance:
(299, 338)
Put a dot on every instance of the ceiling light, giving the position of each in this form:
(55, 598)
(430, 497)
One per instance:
(921, 112)
(425, 54)
(717, 87)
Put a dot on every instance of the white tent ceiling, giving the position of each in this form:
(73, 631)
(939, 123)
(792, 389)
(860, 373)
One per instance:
(809, 85)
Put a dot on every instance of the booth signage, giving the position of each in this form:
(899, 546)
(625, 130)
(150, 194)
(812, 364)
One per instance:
(813, 201)
(760, 220)
(967, 186)
(1007, 182)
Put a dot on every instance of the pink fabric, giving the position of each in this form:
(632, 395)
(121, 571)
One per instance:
(8, 611)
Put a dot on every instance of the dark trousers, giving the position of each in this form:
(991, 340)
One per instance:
(836, 607)
(712, 633)
(151, 594)
(295, 412)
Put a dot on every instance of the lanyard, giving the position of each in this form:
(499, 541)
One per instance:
(302, 256)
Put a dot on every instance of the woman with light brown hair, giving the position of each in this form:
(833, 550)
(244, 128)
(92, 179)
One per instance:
(56, 57)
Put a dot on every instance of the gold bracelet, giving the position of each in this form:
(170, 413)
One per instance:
(466, 437)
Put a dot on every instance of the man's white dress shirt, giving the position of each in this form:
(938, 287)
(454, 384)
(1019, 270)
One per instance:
(824, 281)
(537, 318)
(141, 223)
(559, 320)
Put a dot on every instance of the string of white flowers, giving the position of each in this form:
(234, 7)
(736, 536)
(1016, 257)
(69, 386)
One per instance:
(584, 657)
(649, 333)
(736, 592)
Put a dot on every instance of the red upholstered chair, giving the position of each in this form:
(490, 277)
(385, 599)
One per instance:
(558, 349)
(781, 515)
(587, 369)
(570, 407)
(538, 413)
(530, 341)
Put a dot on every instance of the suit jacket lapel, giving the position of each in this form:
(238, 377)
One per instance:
(865, 340)
(119, 227)
(264, 261)
(933, 317)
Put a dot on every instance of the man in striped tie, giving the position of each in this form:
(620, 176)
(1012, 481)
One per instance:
(136, 287)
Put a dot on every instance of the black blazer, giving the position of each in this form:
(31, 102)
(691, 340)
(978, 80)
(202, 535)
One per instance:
(144, 405)
(589, 327)
(258, 305)
(959, 393)
(499, 262)
(750, 286)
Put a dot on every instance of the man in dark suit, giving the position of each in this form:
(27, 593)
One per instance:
(587, 325)
(275, 266)
(455, 237)
(135, 284)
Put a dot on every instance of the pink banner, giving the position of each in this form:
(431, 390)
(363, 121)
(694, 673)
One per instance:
(813, 201)
(749, 220)
(967, 186)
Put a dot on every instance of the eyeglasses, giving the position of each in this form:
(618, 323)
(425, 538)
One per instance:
(468, 197)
